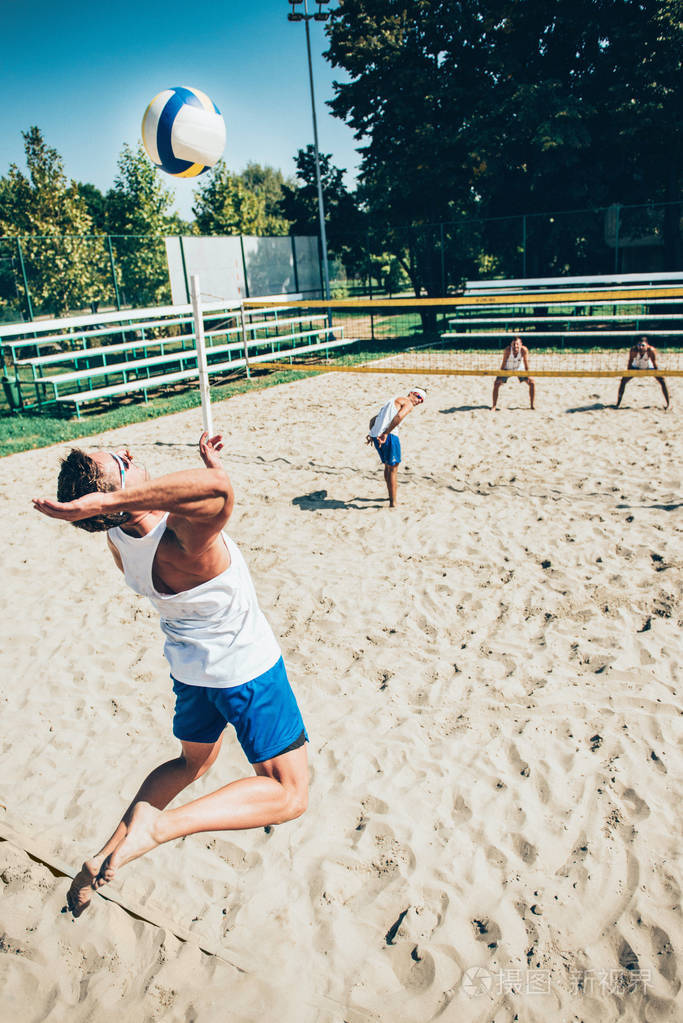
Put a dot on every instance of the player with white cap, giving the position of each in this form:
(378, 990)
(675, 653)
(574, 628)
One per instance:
(382, 435)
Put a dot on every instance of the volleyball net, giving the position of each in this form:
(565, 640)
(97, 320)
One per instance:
(568, 334)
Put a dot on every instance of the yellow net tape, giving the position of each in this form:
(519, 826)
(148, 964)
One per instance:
(520, 298)
(380, 367)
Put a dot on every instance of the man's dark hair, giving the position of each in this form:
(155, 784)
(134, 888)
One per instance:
(79, 475)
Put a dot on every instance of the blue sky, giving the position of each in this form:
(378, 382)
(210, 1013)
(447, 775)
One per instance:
(84, 73)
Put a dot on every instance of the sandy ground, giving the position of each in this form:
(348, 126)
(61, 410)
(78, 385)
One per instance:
(490, 679)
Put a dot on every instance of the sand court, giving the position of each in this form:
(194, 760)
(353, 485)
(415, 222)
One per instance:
(490, 678)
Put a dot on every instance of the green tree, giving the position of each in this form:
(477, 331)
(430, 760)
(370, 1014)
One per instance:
(344, 222)
(96, 205)
(138, 218)
(267, 183)
(224, 205)
(470, 109)
(47, 213)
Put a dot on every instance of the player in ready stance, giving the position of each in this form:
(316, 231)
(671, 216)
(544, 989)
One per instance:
(515, 357)
(642, 356)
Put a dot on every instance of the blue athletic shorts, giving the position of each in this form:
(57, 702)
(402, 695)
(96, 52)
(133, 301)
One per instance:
(263, 712)
(390, 451)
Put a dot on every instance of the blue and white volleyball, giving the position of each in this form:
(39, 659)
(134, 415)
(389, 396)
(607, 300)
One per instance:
(183, 132)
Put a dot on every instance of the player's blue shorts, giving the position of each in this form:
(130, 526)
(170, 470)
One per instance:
(390, 451)
(263, 712)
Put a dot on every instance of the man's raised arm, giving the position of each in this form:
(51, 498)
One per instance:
(204, 495)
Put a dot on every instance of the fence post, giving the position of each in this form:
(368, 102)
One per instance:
(182, 257)
(372, 318)
(29, 304)
(524, 245)
(113, 272)
(201, 355)
(245, 343)
(443, 261)
(296, 269)
(244, 269)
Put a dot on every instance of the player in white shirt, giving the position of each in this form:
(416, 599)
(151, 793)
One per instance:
(515, 357)
(642, 356)
(166, 536)
(386, 442)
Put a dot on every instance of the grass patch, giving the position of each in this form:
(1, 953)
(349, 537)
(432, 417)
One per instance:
(29, 430)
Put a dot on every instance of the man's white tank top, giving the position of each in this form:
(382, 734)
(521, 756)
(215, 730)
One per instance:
(514, 361)
(642, 361)
(216, 633)
(384, 417)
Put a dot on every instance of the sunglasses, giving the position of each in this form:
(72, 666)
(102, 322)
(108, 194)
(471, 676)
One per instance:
(122, 468)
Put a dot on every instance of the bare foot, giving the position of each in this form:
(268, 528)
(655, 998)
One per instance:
(139, 840)
(79, 894)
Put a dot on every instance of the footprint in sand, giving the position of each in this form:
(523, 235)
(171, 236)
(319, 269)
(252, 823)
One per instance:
(487, 931)
(638, 808)
(519, 765)
(664, 957)
(414, 968)
(525, 850)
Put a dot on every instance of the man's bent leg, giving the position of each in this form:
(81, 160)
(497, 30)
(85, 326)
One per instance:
(496, 389)
(278, 793)
(158, 789)
(622, 388)
(665, 392)
(532, 391)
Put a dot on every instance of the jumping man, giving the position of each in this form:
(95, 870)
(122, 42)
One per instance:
(515, 356)
(166, 536)
(642, 356)
(387, 444)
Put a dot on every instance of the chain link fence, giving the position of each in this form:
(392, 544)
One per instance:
(55, 275)
(436, 259)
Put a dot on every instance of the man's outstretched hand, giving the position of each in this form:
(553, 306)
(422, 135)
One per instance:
(70, 511)
(209, 448)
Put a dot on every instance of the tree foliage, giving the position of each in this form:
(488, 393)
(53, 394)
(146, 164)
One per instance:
(344, 221)
(224, 205)
(138, 215)
(47, 213)
(267, 183)
(470, 109)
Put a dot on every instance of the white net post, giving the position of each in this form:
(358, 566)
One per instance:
(201, 354)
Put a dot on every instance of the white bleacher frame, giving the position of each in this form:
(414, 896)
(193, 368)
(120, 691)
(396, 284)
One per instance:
(274, 332)
(518, 304)
(531, 284)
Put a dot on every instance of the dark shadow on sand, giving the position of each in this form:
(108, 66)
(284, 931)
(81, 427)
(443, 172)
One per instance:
(318, 499)
(659, 507)
(597, 407)
(462, 408)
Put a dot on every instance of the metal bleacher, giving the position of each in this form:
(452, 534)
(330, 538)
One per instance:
(102, 357)
(568, 310)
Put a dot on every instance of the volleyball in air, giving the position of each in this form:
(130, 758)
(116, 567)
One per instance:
(183, 132)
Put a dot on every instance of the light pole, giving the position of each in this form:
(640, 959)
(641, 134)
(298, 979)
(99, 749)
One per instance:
(319, 15)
